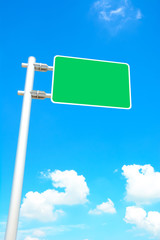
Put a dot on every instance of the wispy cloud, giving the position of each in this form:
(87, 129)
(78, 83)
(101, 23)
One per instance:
(142, 183)
(105, 207)
(38, 233)
(42, 206)
(150, 222)
(31, 238)
(42, 233)
(116, 14)
(115, 170)
(139, 14)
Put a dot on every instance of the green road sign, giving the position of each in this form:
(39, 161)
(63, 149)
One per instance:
(91, 82)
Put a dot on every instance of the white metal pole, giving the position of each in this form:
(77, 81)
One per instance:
(13, 216)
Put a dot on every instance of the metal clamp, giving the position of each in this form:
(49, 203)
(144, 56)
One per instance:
(41, 67)
(36, 94)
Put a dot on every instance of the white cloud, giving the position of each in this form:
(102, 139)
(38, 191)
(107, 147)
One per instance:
(118, 11)
(38, 233)
(42, 233)
(149, 222)
(116, 14)
(41, 206)
(142, 183)
(139, 14)
(76, 189)
(105, 207)
(35, 233)
(31, 238)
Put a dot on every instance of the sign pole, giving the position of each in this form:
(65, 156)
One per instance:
(13, 216)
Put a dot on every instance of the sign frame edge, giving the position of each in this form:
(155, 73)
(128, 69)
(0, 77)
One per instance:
(87, 105)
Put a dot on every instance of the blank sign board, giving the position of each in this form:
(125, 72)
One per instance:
(91, 82)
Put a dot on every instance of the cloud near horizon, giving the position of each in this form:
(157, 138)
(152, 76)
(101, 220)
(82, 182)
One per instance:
(116, 14)
(45, 232)
(31, 238)
(150, 222)
(37, 234)
(43, 206)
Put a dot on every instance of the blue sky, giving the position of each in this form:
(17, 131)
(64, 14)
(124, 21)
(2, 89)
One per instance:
(91, 173)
